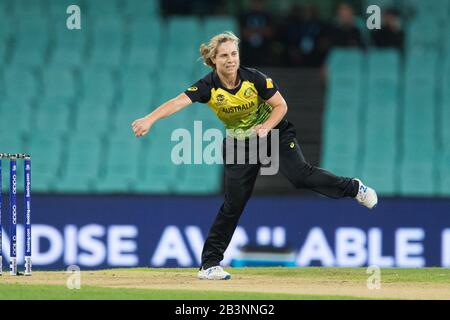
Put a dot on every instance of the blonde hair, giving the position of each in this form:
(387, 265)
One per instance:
(209, 51)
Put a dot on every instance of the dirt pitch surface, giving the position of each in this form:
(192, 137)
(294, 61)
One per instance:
(346, 282)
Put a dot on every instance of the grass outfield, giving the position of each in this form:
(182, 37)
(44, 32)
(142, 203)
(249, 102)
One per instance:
(247, 283)
(52, 292)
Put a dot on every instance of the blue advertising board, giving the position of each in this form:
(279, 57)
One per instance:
(128, 231)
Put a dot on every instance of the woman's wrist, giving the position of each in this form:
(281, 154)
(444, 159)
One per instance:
(149, 117)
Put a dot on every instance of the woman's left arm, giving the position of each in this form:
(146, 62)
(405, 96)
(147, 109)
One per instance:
(279, 110)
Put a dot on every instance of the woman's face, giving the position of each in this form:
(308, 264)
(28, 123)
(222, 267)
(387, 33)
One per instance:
(227, 58)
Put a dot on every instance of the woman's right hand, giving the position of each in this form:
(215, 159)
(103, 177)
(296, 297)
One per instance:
(141, 126)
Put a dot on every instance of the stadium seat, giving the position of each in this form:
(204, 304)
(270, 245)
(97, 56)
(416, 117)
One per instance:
(108, 43)
(444, 172)
(26, 7)
(59, 82)
(419, 124)
(11, 143)
(383, 93)
(70, 47)
(31, 41)
(184, 32)
(145, 43)
(82, 165)
(16, 116)
(344, 79)
(3, 48)
(339, 156)
(102, 9)
(122, 167)
(436, 10)
(423, 34)
(338, 124)
(146, 56)
(421, 65)
(20, 84)
(46, 152)
(93, 119)
(181, 60)
(420, 151)
(6, 27)
(199, 179)
(54, 119)
(445, 124)
(137, 8)
(4, 6)
(345, 86)
(383, 62)
(216, 25)
(138, 87)
(345, 62)
(160, 174)
(447, 42)
(380, 177)
(380, 136)
(97, 85)
(417, 180)
(145, 30)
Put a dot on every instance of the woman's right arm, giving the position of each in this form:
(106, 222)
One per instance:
(142, 126)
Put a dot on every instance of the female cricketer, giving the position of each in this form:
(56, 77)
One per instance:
(246, 100)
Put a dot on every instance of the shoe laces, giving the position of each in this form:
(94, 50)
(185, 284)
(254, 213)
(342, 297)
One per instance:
(216, 268)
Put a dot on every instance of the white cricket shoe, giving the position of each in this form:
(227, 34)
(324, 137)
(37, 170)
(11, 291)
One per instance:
(366, 195)
(213, 273)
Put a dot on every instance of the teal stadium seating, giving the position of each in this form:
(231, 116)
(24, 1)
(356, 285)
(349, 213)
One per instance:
(216, 25)
(69, 97)
(20, 84)
(16, 117)
(120, 168)
(59, 82)
(137, 8)
(71, 46)
(444, 172)
(402, 143)
(341, 118)
(47, 152)
(81, 165)
(107, 43)
(92, 119)
(145, 42)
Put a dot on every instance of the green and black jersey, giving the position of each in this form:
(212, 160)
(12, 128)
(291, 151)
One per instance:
(239, 109)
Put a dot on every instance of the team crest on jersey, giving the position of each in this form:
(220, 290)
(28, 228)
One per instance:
(221, 100)
(192, 89)
(249, 93)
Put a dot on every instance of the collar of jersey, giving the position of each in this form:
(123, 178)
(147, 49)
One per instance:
(218, 83)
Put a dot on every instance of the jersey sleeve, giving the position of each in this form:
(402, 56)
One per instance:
(199, 91)
(265, 85)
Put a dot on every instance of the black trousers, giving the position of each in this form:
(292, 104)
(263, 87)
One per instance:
(240, 180)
